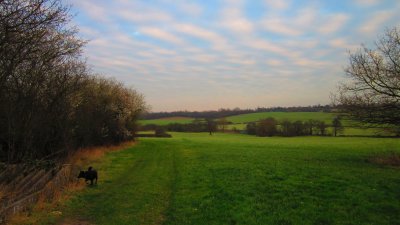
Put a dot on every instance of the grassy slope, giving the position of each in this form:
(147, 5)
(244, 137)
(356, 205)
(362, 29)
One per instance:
(238, 179)
(166, 121)
(292, 116)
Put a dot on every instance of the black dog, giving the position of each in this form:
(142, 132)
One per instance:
(91, 175)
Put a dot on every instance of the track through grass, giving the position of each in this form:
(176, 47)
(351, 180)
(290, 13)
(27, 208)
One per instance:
(239, 179)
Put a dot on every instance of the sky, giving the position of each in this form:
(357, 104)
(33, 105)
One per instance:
(212, 54)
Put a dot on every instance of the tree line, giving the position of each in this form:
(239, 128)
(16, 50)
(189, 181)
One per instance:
(51, 103)
(214, 114)
(271, 127)
(263, 128)
(197, 125)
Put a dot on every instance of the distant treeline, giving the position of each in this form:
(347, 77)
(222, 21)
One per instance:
(50, 102)
(262, 128)
(198, 125)
(271, 127)
(213, 114)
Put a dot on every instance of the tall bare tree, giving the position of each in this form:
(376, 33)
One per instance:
(373, 93)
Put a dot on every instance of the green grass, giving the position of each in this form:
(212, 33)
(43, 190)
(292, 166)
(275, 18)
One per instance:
(167, 120)
(240, 179)
(292, 116)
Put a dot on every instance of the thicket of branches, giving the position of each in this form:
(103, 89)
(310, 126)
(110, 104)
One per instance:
(372, 95)
(50, 103)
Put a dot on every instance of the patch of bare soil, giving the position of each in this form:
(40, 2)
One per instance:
(390, 159)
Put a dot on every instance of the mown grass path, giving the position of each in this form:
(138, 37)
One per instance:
(134, 187)
(238, 179)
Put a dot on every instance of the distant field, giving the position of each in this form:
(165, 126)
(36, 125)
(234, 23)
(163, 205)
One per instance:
(240, 121)
(252, 117)
(292, 116)
(241, 179)
(167, 120)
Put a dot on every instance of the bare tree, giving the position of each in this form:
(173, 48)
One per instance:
(211, 126)
(337, 126)
(47, 95)
(373, 94)
(222, 123)
(321, 126)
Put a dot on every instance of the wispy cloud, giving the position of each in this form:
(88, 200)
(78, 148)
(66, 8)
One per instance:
(160, 34)
(333, 23)
(277, 5)
(279, 26)
(376, 20)
(233, 18)
(367, 2)
(217, 40)
(200, 55)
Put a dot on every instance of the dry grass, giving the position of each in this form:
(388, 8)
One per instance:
(86, 155)
(58, 195)
(390, 159)
(2, 192)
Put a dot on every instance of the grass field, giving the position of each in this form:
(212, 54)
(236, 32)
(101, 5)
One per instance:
(292, 116)
(240, 179)
(167, 120)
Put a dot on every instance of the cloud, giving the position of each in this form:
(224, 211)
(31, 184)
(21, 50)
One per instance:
(366, 3)
(376, 21)
(279, 26)
(96, 12)
(342, 43)
(333, 23)
(217, 40)
(275, 62)
(238, 24)
(303, 20)
(233, 18)
(144, 16)
(286, 52)
(306, 17)
(160, 34)
(277, 4)
(191, 8)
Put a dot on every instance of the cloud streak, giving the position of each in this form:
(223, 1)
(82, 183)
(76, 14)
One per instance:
(200, 55)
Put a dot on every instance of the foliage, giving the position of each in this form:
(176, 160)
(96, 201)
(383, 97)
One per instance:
(160, 132)
(51, 104)
(266, 127)
(222, 124)
(287, 128)
(337, 126)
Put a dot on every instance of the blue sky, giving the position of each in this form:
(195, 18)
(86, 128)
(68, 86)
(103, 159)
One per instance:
(201, 55)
